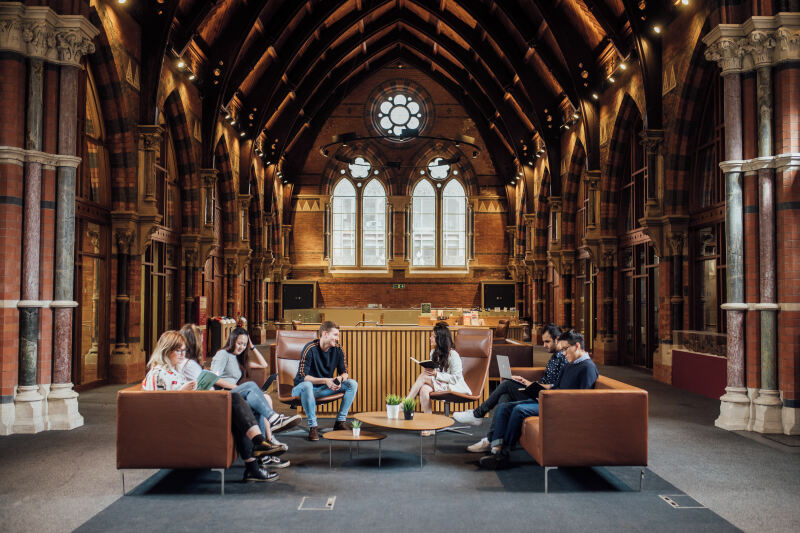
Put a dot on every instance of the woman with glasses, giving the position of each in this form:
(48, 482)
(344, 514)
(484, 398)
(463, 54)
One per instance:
(164, 374)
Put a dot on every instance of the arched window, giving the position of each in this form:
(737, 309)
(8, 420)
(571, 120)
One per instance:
(373, 225)
(707, 222)
(454, 225)
(423, 232)
(431, 233)
(344, 224)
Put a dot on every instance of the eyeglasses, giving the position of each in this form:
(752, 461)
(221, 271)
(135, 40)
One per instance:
(182, 350)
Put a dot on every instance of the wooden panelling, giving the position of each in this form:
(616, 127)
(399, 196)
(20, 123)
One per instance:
(378, 359)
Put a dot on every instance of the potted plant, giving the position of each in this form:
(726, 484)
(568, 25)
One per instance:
(356, 428)
(393, 402)
(409, 404)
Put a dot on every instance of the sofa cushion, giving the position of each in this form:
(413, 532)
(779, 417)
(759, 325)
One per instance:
(530, 438)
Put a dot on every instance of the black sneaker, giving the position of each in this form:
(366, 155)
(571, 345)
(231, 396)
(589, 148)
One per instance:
(495, 461)
(253, 473)
(341, 424)
(283, 422)
(270, 461)
(267, 448)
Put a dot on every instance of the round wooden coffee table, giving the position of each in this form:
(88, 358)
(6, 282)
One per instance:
(346, 435)
(421, 422)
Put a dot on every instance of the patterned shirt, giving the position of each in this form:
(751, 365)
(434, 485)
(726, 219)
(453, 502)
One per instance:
(163, 378)
(553, 369)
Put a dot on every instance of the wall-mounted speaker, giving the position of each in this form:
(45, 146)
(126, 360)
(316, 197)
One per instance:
(498, 294)
(299, 295)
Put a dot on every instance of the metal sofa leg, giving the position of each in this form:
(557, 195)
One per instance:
(122, 473)
(221, 479)
(641, 480)
(547, 470)
(454, 429)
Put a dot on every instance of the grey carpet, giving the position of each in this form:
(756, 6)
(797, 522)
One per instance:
(449, 494)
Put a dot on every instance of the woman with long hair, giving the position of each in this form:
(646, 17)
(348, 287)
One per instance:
(164, 373)
(231, 364)
(446, 374)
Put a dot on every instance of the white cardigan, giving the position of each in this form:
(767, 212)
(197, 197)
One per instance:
(453, 380)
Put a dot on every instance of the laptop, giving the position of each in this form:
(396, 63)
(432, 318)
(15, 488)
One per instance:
(505, 368)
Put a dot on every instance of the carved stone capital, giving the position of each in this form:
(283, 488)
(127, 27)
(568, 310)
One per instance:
(208, 176)
(150, 137)
(788, 43)
(39, 32)
(676, 241)
(727, 52)
(760, 45)
(124, 238)
(652, 140)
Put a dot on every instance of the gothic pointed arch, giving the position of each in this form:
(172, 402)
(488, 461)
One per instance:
(188, 175)
(227, 192)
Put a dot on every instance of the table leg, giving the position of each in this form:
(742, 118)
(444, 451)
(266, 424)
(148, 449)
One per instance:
(351, 449)
(420, 450)
(379, 454)
(434, 441)
(358, 449)
(330, 454)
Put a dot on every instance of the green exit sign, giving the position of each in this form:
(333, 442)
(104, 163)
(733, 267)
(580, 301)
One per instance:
(398, 285)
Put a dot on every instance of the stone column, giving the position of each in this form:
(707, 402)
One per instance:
(567, 267)
(230, 293)
(652, 141)
(121, 353)
(63, 401)
(189, 268)
(734, 404)
(767, 405)
(29, 403)
(676, 241)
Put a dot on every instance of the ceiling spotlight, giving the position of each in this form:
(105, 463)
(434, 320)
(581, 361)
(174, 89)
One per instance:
(192, 77)
(242, 134)
(575, 115)
(595, 96)
(623, 66)
(657, 28)
(233, 122)
(611, 79)
(181, 63)
(122, 1)
(268, 163)
(530, 163)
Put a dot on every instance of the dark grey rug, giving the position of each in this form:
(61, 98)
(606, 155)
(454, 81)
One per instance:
(449, 494)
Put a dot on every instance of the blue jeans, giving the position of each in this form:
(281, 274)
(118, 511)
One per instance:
(508, 421)
(309, 392)
(254, 397)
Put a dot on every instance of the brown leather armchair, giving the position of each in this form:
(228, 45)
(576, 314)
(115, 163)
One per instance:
(501, 330)
(288, 350)
(475, 348)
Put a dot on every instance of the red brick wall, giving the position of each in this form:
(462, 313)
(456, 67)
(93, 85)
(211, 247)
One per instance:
(442, 292)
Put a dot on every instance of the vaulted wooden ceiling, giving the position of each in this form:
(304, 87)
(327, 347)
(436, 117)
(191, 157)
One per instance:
(518, 66)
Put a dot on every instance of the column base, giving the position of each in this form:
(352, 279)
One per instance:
(606, 351)
(767, 410)
(752, 393)
(62, 405)
(29, 410)
(124, 366)
(734, 409)
(662, 364)
(7, 412)
(790, 417)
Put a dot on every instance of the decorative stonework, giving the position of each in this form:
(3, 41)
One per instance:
(756, 43)
(39, 32)
(13, 155)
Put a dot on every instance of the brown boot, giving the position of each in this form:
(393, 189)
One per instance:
(313, 433)
(341, 424)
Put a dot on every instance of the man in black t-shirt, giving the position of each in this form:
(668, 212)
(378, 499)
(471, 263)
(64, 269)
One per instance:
(321, 359)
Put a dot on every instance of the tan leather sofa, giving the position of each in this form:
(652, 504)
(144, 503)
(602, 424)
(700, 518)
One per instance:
(604, 426)
(174, 429)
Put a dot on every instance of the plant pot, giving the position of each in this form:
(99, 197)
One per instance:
(356, 432)
(408, 415)
(393, 411)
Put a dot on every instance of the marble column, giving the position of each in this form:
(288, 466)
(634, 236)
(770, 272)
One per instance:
(29, 403)
(189, 269)
(734, 404)
(120, 355)
(676, 242)
(767, 405)
(63, 401)
(230, 277)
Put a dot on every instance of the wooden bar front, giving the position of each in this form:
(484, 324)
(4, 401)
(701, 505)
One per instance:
(378, 359)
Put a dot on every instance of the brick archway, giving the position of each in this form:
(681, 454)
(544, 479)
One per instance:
(227, 193)
(187, 166)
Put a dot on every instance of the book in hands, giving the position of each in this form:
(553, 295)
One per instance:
(533, 390)
(425, 364)
(206, 380)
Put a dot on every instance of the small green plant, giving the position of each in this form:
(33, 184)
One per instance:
(409, 404)
(393, 399)
(356, 424)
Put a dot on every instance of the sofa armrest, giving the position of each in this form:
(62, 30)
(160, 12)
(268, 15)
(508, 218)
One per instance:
(531, 373)
(593, 427)
(174, 429)
(258, 375)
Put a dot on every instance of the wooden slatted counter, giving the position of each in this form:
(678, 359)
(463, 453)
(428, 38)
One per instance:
(378, 358)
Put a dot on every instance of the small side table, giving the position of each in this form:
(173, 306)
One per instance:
(347, 436)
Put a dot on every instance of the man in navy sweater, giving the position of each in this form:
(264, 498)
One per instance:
(321, 358)
(579, 373)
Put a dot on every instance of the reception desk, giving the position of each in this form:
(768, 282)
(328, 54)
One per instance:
(378, 358)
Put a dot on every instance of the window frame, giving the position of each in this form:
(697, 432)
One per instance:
(439, 266)
(358, 265)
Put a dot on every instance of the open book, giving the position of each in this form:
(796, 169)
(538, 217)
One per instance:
(425, 364)
(533, 390)
(206, 380)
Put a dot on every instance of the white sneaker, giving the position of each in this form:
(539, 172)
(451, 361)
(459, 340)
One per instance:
(466, 417)
(482, 446)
